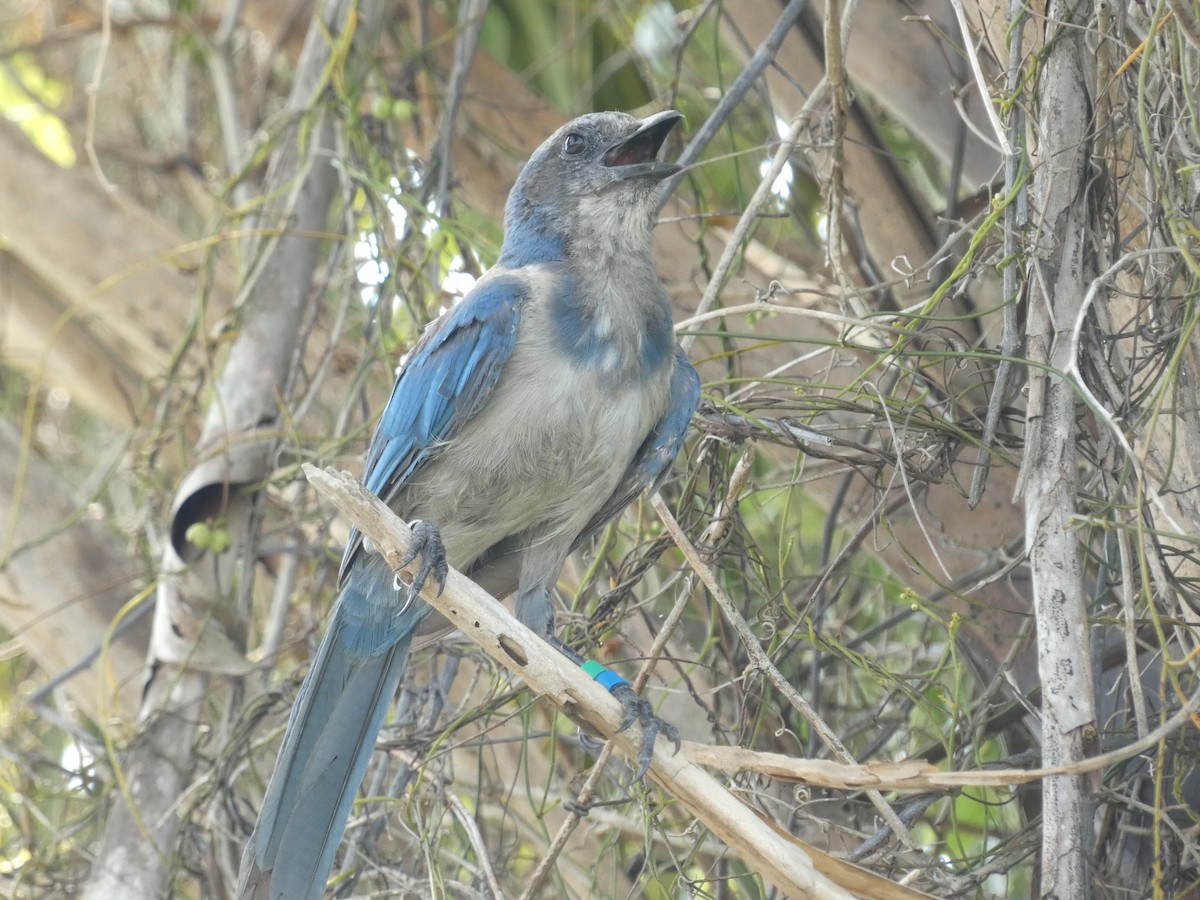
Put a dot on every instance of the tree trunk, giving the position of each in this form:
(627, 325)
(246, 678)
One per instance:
(1061, 272)
(203, 593)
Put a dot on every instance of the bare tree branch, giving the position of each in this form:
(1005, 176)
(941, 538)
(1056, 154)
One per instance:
(1063, 267)
(549, 674)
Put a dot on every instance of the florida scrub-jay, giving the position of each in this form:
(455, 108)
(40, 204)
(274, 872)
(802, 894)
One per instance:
(525, 418)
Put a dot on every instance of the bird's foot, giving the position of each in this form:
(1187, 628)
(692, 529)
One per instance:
(427, 544)
(635, 709)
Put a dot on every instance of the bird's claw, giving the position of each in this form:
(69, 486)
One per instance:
(636, 709)
(427, 544)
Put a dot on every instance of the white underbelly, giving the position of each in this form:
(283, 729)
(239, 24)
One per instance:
(547, 451)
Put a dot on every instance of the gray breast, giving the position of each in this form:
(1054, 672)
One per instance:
(542, 457)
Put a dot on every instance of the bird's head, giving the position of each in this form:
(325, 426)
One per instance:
(596, 181)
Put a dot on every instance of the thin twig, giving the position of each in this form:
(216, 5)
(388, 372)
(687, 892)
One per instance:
(470, 24)
(902, 469)
(468, 824)
(1015, 217)
(1002, 143)
(763, 57)
(835, 73)
(760, 661)
(92, 91)
(229, 116)
(763, 192)
(1133, 669)
(546, 865)
(917, 775)
(280, 605)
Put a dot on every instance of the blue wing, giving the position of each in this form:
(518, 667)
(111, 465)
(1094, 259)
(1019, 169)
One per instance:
(446, 380)
(653, 459)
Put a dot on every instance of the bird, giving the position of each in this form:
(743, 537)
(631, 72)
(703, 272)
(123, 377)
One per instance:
(524, 419)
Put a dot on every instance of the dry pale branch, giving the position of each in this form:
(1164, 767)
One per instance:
(791, 865)
(1062, 267)
(917, 774)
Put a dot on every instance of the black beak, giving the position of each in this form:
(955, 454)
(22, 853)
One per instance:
(637, 155)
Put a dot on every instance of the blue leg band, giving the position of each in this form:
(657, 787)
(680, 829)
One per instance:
(606, 678)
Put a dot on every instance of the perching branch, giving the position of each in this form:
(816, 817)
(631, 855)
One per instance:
(784, 861)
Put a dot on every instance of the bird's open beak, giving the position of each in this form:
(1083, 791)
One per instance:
(637, 155)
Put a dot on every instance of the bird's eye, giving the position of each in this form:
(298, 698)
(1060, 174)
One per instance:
(573, 144)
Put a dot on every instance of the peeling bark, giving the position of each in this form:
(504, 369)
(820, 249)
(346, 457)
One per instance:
(1062, 268)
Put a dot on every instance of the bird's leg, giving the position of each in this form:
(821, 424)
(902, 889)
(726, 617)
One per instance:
(634, 708)
(427, 544)
(535, 610)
